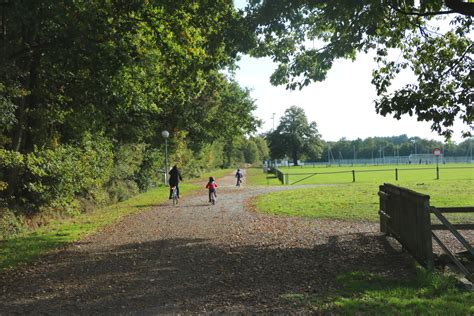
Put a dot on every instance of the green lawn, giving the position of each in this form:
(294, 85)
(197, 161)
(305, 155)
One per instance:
(30, 244)
(407, 173)
(335, 197)
(364, 293)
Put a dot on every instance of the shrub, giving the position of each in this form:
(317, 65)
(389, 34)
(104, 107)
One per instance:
(150, 173)
(128, 159)
(54, 177)
(10, 225)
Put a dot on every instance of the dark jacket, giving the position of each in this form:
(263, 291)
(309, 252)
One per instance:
(175, 176)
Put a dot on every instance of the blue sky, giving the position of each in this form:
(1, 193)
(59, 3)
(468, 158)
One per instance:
(342, 105)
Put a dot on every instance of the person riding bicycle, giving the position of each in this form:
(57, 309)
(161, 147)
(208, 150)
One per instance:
(239, 175)
(211, 185)
(175, 177)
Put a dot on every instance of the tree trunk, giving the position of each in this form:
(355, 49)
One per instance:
(30, 64)
(295, 157)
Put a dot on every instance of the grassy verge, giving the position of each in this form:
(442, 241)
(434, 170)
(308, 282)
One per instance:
(255, 176)
(364, 293)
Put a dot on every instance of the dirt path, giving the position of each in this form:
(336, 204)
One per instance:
(199, 258)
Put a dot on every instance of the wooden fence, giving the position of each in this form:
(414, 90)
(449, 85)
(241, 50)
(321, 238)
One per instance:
(406, 215)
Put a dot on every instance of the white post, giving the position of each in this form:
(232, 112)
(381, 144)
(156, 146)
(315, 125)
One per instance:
(165, 135)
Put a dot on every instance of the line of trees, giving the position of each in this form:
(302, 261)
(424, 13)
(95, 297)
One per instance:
(402, 145)
(87, 87)
(297, 139)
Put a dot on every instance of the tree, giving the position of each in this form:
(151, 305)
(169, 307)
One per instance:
(440, 59)
(121, 72)
(251, 152)
(294, 137)
(263, 151)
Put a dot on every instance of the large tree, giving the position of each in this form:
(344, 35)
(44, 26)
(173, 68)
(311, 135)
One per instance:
(305, 37)
(295, 137)
(118, 70)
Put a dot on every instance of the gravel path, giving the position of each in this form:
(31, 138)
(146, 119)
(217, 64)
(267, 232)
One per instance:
(200, 258)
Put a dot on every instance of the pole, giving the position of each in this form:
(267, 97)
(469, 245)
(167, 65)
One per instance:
(329, 157)
(166, 161)
(437, 168)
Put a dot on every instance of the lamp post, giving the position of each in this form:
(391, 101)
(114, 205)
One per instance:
(165, 135)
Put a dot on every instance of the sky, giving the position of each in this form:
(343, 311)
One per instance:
(341, 106)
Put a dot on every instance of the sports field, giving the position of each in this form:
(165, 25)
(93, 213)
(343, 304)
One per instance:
(379, 174)
(337, 197)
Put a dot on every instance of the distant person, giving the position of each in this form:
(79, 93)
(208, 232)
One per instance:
(239, 175)
(212, 185)
(175, 177)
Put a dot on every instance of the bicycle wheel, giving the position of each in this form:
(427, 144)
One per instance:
(175, 196)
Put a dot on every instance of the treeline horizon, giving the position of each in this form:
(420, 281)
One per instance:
(401, 145)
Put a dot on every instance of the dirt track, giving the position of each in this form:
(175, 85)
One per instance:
(200, 258)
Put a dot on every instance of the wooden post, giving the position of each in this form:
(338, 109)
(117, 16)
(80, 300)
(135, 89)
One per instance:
(353, 176)
(287, 180)
(396, 174)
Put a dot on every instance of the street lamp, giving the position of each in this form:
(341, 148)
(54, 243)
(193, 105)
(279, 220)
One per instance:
(165, 135)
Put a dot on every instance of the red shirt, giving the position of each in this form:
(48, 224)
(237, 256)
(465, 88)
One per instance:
(211, 185)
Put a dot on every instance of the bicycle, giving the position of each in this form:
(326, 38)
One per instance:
(174, 195)
(213, 198)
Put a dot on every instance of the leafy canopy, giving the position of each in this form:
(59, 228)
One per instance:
(305, 37)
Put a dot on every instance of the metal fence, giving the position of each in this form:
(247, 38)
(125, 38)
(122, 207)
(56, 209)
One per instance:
(419, 159)
(285, 178)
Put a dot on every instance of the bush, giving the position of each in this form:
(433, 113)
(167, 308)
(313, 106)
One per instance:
(54, 177)
(10, 225)
(150, 174)
(121, 190)
(125, 173)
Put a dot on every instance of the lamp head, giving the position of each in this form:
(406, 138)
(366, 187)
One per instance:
(165, 134)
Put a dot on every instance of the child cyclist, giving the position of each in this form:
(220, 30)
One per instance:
(211, 185)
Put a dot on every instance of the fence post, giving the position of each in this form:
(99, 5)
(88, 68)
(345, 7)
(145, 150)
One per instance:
(287, 179)
(396, 174)
(353, 176)
(437, 172)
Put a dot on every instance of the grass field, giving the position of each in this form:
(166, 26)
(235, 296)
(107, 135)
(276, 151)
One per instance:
(406, 173)
(337, 197)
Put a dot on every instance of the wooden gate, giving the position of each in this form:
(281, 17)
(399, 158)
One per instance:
(405, 215)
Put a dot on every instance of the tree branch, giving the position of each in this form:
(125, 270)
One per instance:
(466, 8)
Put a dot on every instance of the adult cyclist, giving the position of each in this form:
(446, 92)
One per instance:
(175, 177)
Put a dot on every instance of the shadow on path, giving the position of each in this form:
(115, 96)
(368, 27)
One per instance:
(180, 275)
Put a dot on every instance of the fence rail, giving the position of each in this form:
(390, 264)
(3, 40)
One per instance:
(405, 215)
(285, 177)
